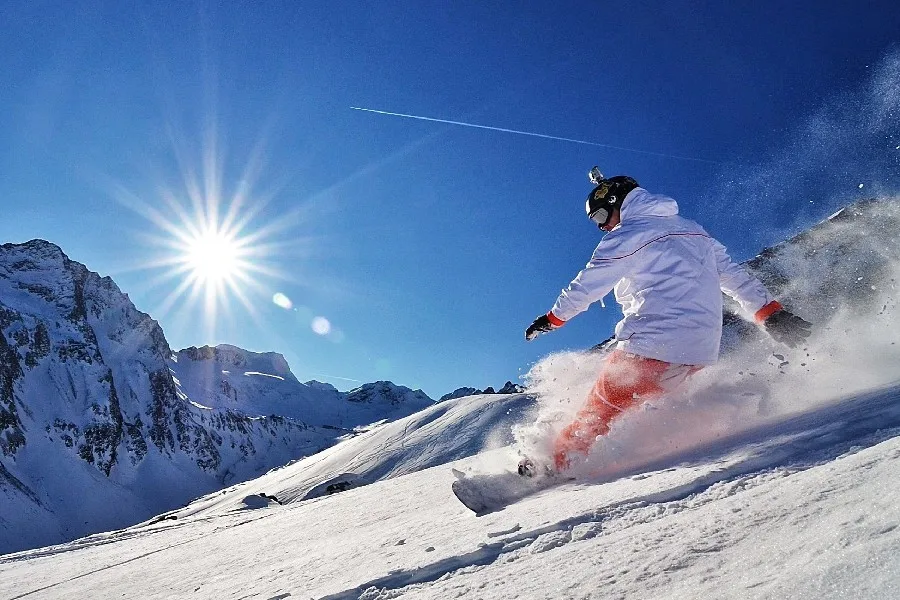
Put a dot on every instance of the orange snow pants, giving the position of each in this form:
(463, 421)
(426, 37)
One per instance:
(625, 381)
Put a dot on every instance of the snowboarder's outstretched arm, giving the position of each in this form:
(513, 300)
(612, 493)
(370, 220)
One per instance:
(756, 300)
(593, 282)
(735, 281)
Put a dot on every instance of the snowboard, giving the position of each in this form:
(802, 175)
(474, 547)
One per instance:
(484, 493)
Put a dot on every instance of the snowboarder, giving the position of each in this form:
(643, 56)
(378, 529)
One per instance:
(667, 273)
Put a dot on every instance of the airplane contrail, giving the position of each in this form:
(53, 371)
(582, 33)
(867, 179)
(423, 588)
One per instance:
(539, 135)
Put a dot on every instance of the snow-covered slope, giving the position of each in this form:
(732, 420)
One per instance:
(101, 427)
(804, 508)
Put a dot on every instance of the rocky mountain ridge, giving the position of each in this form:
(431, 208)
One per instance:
(508, 388)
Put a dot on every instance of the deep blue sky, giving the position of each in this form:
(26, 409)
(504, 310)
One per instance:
(428, 247)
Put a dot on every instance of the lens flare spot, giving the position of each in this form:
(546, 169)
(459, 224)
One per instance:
(282, 301)
(321, 326)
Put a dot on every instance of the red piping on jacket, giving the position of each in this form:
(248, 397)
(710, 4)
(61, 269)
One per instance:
(655, 240)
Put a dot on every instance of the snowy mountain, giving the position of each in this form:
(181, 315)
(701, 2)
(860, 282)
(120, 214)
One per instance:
(260, 384)
(101, 426)
(771, 475)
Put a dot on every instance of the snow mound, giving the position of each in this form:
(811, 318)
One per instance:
(437, 435)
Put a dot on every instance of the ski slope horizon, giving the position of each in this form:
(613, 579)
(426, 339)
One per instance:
(772, 474)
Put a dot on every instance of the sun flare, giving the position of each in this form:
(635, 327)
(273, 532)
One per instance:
(213, 257)
(216, 242)
(218, 261)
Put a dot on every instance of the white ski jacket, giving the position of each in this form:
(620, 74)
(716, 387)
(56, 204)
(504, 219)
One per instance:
(667, 273)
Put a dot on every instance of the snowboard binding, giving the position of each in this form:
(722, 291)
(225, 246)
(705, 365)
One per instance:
(528, 468)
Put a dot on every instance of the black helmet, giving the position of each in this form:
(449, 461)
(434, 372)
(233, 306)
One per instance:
(608, 196)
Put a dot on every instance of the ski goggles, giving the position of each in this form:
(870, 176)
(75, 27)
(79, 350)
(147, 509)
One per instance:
(601, 216)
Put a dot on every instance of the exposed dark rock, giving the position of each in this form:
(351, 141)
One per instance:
(511, 388)
(103, 436)
(336, 488)
(8, 317)
(39, 290)
(135, 444)
(40, 346)
(20, 337)
(7, 477)
(162, 389)
(229, 390)
(12, 437)
(201, 353)
(79, 311)
(460, 393)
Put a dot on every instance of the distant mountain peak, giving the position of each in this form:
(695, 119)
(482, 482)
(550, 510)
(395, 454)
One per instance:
(460, 393)
(320, 385)
(232, 357)
(37, 245)
(387, 392)
(508, 388)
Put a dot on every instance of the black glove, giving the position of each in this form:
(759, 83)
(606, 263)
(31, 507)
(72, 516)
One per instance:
(787, 328)
(541, 325)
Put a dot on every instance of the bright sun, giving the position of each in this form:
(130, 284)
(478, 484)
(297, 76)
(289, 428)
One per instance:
(214, 254)
(213, 257)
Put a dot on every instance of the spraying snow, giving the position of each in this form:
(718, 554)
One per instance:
(842, 274)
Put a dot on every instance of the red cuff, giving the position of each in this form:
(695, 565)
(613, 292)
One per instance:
(554, 320)
(767, 311)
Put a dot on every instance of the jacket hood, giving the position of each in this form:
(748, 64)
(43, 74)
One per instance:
(641, 203)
